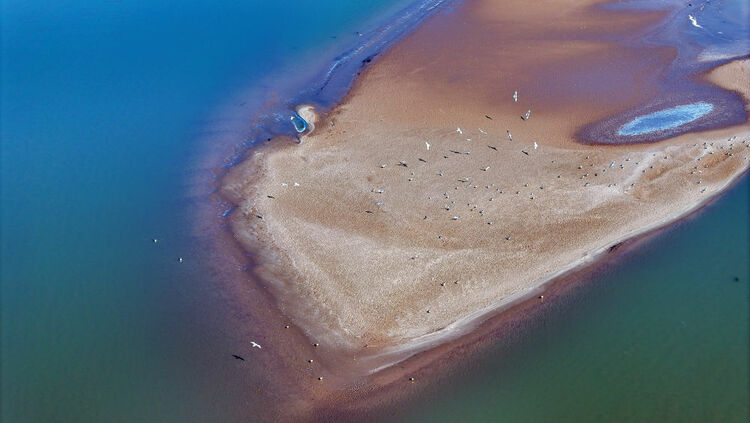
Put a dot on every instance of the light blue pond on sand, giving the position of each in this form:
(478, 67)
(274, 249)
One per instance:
(300, 125)
(666, 119)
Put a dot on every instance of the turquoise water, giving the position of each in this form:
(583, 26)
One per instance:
(666, 119)
(103, 110)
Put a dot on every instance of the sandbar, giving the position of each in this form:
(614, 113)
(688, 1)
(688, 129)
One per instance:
(426, 201)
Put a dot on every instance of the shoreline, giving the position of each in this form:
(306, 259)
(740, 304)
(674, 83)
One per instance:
(591, 260)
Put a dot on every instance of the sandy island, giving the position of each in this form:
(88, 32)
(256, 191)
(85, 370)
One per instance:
(424, 202)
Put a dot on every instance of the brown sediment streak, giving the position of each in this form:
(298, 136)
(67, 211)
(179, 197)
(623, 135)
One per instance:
(383, 265)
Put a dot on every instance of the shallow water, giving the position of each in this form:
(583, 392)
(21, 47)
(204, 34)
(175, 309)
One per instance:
(666, 119)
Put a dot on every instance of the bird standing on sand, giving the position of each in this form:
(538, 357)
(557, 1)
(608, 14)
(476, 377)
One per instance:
(255, 344)
(510, 137)
(427, 145)
(535, 145)
(515, 96)
(528, 113)
(458, 129)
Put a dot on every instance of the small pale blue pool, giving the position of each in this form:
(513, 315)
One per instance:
(300, 125)
(666, 119)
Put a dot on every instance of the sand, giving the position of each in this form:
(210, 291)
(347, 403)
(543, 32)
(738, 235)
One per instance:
(378, 247)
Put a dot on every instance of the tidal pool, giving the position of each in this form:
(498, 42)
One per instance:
(300, 125)
(666, 119)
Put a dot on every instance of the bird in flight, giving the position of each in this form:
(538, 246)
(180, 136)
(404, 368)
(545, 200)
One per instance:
(694, 21)
(255, 344)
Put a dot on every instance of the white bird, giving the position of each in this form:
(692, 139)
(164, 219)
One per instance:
(483, 131)
(535, 145)
(255, 344)
(694, 21)
(528, 113)
(510, 137)
(458, 129)
(427, 144)
(515, 96)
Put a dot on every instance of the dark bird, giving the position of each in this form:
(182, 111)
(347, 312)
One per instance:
(488, 117)
(238, 357)
(524, 152)
(492, 147)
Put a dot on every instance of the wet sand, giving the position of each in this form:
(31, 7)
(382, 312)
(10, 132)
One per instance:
(378, 248)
